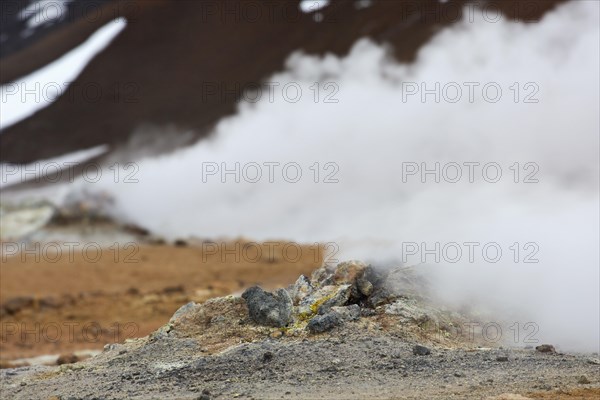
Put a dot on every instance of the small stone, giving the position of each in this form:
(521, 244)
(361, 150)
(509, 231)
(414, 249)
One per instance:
(66, 359)
(459, 375)
(419, 350)
(364, 286)
(583, 380)
(301, 289)
(502, 358)
(323, 323)
(348, 313)
(16, 304)
(381, 296)
(321, 276)
(276, 334)
(180, 243)
(349, 272)
(367, 312)
(181, 311)
(545, 348)
(267, 357)
(269, 309)
(340, 297)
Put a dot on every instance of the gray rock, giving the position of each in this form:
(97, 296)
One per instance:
(583, 380)
(364, 286)
(321, 277)
(269, 309)
(181, 311)
(545, 348)
(349, 272)
(301, 289)
(323, 323)
(381, 296)
(502, 358)
(348, 313)
(340, 298)
(16, 304)
(419, 350)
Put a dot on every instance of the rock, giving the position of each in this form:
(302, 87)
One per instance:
(367, 312)
(322, 299)
(276, 334)
(339, 296)
(323, 323)
(348, 313)
(419, 350)
(183, 310)
(545, 348)
(364, 287)
(349, 272)
(50, 302)
(583, 380)
(321, 277)
(16, 304)
(205, 395)
(359, 276)
(173, 289)
(381, 296)
(66, 359)
(269, 309)
(502, 358)
(301, 289)
(267, 357)
(180, 243)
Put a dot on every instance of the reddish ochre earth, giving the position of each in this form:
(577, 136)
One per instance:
(73, 304)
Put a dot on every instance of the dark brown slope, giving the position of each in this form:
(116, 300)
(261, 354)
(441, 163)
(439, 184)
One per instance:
(170, 49)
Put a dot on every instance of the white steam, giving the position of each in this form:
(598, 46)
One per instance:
(375, 127)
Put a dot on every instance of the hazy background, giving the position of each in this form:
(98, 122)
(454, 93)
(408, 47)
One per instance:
(369, 131)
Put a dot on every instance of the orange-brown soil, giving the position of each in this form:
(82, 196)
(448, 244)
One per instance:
(71, 304)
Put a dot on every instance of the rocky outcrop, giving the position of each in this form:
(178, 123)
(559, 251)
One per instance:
(335, 295)
(267, 308)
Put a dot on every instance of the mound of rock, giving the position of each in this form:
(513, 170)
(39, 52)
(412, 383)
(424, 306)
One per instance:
(330, 297)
